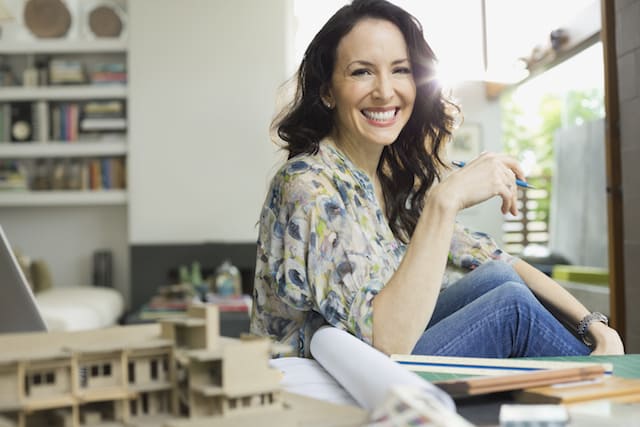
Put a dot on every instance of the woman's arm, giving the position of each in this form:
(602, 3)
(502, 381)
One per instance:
(568, 308)
(403, 308)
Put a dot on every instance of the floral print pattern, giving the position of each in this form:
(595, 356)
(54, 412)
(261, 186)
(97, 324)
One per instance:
(325, 250)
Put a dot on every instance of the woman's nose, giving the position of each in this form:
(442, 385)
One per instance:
(383, 87)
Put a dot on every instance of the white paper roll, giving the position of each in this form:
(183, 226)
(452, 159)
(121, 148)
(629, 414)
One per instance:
(365, 372)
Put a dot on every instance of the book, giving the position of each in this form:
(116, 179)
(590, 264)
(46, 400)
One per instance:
(608, 388)
(103, 123)
(5, 119)
(467, 376)
(510, 382)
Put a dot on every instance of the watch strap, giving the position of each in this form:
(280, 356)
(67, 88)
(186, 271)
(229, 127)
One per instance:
(583, 325)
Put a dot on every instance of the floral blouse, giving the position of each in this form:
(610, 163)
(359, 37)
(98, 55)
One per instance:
(325, 250)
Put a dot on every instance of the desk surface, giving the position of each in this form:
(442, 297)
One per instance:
(484, 410)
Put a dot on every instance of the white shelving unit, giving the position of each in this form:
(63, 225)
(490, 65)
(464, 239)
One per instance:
(50, 149)
(62, 46)
(55, 149)
(61, 93)
(56, 221)
(62, 198)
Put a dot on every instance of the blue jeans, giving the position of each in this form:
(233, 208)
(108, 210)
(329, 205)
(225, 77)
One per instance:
(491, 313)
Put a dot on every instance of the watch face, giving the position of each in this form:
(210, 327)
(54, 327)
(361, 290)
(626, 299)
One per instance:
(21, 130)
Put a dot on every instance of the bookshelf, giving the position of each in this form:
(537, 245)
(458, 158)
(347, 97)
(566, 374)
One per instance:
(63, 126)
(51, 215)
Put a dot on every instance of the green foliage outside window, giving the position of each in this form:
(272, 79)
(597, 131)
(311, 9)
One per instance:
(525, 138)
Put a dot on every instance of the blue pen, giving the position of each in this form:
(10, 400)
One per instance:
(519, 182)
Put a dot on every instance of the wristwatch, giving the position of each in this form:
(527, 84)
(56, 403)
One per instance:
(586, 321)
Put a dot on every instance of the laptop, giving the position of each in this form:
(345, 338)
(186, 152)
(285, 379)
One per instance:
(18, 308)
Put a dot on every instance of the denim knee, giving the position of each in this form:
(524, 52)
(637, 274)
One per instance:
(515, 295)
(502, 271)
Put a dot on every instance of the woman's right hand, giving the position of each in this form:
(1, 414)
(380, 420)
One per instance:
(486, 176)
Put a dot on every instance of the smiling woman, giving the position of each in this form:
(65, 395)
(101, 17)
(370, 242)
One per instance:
(372, 91)
(358, 229)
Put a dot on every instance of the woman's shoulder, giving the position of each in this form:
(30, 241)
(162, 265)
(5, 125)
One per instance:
(303, 170)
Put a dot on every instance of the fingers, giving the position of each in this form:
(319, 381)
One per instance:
(487, 176)
(507, 169)
(509, 197)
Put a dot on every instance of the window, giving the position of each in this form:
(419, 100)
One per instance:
(512, 30)
(215, 374)
(564, 97)
(41, 378)
(246, 401)
(95, 370)
(83, 376)
(106, 369)
(132, 372)
(145, 403)
(154, 369)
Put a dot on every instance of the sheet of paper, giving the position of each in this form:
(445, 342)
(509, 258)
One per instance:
(364, 371)
(307, 377)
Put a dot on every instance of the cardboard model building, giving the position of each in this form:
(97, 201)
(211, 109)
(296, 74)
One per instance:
(181, 373)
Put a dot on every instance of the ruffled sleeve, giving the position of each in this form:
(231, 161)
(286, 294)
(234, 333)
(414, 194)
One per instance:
(469, 249)
(328, 263)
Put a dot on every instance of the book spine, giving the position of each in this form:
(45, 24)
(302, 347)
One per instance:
(42, 114)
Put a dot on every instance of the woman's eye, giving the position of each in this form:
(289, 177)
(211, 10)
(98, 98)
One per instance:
(402, 70)
(360, 72)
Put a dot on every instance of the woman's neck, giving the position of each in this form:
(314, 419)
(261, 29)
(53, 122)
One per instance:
(365, 158)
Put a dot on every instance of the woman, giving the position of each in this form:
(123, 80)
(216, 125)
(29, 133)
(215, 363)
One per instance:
(358, 229)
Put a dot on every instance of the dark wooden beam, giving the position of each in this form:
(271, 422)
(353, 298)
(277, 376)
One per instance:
(613, 168)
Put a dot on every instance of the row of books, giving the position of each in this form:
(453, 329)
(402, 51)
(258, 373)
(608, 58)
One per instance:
(65, 71)
(64, 174)
(108, 73)
(159, 307)
(12, 176)
(68, 120)
(62, 121)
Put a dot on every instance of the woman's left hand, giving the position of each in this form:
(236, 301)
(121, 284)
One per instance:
(607, 341)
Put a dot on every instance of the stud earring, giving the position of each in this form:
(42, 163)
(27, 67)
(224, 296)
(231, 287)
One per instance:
(328, 105)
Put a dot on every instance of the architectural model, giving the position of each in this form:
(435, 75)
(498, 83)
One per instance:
(180, 373)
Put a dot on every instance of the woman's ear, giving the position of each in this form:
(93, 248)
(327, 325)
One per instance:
(327, 97)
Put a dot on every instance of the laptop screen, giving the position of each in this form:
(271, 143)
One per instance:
(18, 308)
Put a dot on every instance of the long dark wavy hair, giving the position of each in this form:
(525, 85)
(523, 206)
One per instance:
(410, 165)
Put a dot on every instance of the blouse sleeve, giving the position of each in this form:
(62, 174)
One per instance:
(469, 249)
(327, 263)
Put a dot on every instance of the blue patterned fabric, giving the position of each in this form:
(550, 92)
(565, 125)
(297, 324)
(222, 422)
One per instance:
(325, 250)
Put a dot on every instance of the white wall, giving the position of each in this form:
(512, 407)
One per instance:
(578, 218)
(66, 237)
(477, 109)
(203, 80)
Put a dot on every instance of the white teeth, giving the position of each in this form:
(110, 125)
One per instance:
(380, 116)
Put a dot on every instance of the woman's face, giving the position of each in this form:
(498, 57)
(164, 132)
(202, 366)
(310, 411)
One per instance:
(372, 87)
